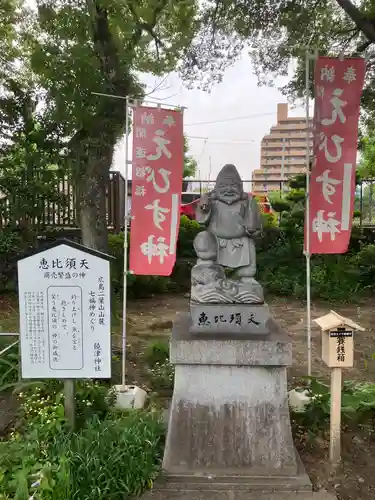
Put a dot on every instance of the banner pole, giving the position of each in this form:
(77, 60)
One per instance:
(307, 252)
(126, 219)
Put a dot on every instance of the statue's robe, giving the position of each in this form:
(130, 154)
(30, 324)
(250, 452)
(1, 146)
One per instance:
(229, 224)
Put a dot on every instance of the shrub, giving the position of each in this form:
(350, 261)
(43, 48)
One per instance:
(157, 352)
(113, 455)
(364, 263)
(357, 408)
(188, 230)
(161, 376)
(10, 250)
(281, 263)
(9, 368)
(112, 459)
(42, 403)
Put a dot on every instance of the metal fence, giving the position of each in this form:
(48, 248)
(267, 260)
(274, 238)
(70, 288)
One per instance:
(64, 215)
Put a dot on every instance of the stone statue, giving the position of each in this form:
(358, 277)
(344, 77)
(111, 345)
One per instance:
(232, 220)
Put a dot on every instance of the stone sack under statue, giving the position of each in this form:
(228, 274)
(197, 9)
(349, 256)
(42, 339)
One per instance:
(224, 293)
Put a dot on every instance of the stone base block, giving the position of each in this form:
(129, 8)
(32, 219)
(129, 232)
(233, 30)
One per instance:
(230, 318)
(161, 494)
(229, 411)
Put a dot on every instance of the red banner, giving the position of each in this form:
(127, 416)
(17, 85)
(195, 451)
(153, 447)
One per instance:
(158, 160)
(338, 88)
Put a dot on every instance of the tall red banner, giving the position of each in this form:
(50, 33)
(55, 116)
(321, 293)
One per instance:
(158, 160)
(338, 88)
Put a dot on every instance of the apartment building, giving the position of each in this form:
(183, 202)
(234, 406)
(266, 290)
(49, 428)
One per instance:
(283, 152)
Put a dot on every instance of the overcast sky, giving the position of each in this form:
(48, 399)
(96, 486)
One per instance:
(234, 141)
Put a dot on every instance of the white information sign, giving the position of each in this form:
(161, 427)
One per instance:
(64, 298)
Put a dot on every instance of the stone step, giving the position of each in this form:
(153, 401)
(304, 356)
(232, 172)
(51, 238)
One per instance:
(235, 495)
(237, 483)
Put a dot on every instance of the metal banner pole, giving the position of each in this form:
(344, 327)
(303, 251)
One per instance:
(126, 219)
(307, 226)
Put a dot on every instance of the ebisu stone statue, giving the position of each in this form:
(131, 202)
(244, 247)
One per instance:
(232, 221)
(231, 359)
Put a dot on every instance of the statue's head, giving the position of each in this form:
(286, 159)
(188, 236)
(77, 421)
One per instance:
(228, 187)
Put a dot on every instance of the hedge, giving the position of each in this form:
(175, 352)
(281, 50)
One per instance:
(280, 262)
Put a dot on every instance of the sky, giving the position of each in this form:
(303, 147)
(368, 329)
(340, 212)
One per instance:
(226, 139)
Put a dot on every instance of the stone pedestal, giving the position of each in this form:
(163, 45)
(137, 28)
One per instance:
(229, 319)
(229, 413)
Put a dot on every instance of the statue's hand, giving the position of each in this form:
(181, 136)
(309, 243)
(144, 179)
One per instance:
(204, 203)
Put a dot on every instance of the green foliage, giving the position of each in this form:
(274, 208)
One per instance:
(190, 163)
(157, 352)
(160, 372)
(42, 401)
(111, 459)
(367, 164)
(161, 377)
(314, 420)
(107, 459)
(279, 32)
(281, 263)
(269, 220)
(111, 455)
(188, 230)
(9, 367)
(62, 54)
(357, 408)
(279, 204)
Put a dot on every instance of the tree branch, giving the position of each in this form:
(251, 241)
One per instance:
(150, 26)
(363, 23)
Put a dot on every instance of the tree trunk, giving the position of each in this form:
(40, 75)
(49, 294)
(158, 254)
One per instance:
(92, 189)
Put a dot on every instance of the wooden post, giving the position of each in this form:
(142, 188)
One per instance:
(335, 423)
(70, 403)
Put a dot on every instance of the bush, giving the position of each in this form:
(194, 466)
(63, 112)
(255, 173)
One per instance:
(281, 263)
(161, 377)
(188, 231)
(113, 456)
(10, 250)
(114, 459)
(157, 352)
(9, 368)
(357, 409)
(42, 403)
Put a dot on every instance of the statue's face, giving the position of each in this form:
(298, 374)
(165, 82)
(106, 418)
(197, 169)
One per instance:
(229, 191)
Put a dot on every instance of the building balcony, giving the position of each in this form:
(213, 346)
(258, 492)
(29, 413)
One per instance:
(290, 127)
(271, 138)
(289, 151)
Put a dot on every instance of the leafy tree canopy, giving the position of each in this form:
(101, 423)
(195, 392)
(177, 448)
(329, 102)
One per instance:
(367, 163)
(61, 54)
(190, 163)
(276, 32)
